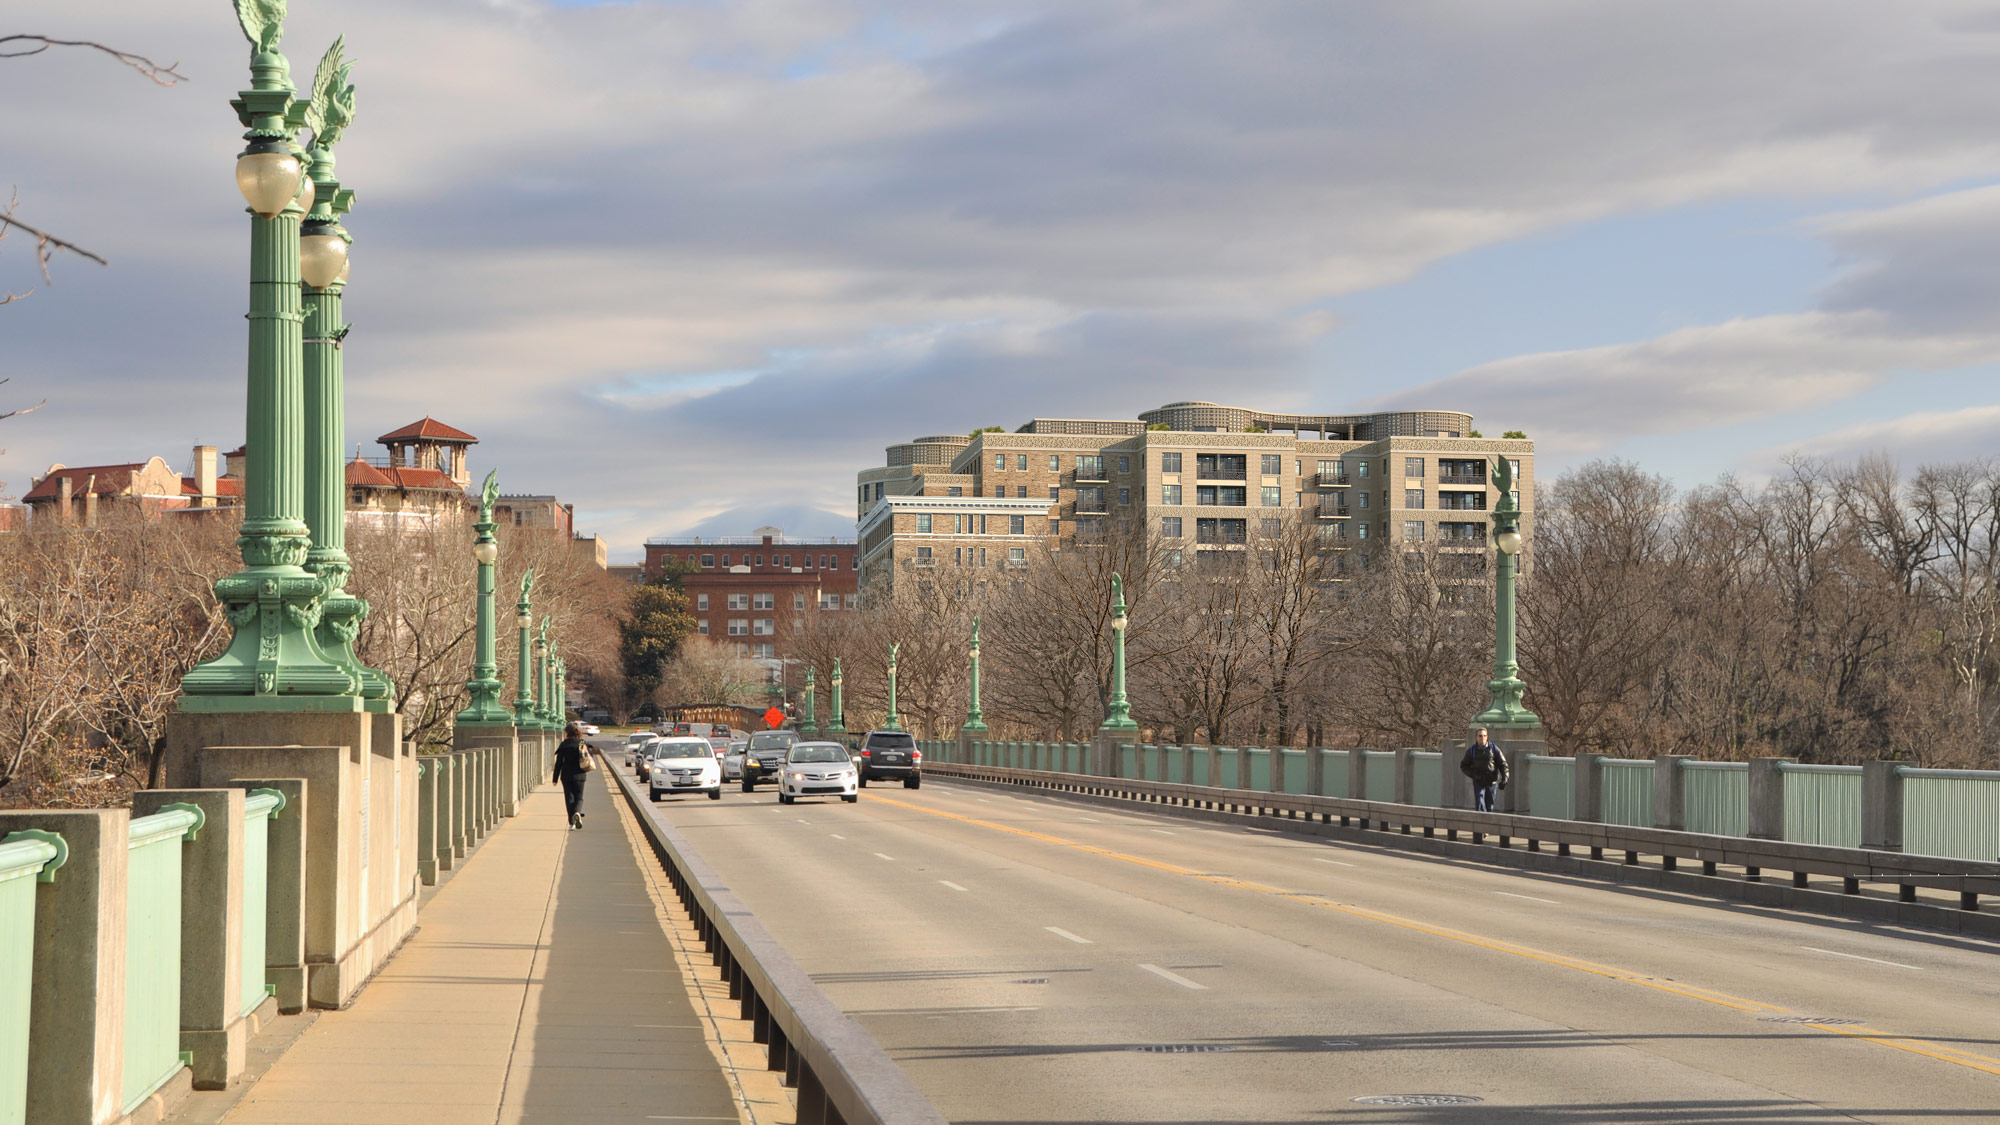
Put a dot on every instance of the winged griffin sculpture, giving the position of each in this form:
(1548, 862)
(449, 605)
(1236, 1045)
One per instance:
(263, 23)
(332, 107)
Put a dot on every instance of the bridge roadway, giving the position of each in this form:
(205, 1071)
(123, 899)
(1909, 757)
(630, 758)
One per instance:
(1011, 951)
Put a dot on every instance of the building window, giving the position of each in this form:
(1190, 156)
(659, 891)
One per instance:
(1170, 527)
(1124, 496)
(1268, 528)
(1413, 467)
(1221, 466)
(739, 626)
(1170, 494)
(1361, 469)
(725, 560)
(1055, 493)
(1272, 497)
(1089, 467)
(765, 651)
(1055, 463)
(1021, 462)
(1463, 532)
(1413, 498)
(1361, 530)
(798, 600)
(701, 601)
(1273, 464)
(1222, 495)
(982, 556)
(1298, 499)
(999, 462)
(742, 650)
(1362, 499)
(701, 626)
(763, 627)
(788, 562)
(923, 523)
(1413, 531)
(1124, 464)
(954, 490)
(739, 601)
(855, 560)
(1020, 492)
(923, 552)
(1017, 554)
(708, 560)
(1055, 527)
(1017, 525)
(764, 601)
(1332, 471)
(1170, 462)
(878, 490)
(849, 601)
(1090, 498)
(1219, 531)
(829, 601)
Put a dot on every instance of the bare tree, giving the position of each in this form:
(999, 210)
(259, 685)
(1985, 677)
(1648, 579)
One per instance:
(703, 671)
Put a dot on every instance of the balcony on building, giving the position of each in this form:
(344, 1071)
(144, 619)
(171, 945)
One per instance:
(1090, 467)
(1331, 508)
(1221, 466)
(1462, 472)
(1089, 500)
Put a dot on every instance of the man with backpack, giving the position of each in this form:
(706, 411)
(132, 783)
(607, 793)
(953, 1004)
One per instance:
(1487, 767)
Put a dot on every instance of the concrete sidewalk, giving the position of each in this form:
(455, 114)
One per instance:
(539, 987)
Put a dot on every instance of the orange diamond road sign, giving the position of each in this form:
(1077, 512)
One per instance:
(774, 718)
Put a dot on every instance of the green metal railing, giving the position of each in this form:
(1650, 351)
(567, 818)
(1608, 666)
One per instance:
(259, 809)
(1716, 797)
(1427, 778)
(153, 949)
(1295, 770)
(1552, 786)
(1334, 773)
(1381, 779)
(26, 858)
(1822, 804)
(1628, 791)
(1954, 813)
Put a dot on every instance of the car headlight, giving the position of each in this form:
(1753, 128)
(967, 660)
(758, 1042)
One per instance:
(798, 777)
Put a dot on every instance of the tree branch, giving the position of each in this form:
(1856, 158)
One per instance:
(168, 75)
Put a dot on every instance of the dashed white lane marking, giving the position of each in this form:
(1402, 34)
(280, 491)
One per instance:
(1062, 933)
(1859, 957)
(1335, 862)
(1091, 819)
(803, 820)
(1530, 898)
(836, 836)
(890, 858)
(1175, 977)
(1163, 831)
(952, 885)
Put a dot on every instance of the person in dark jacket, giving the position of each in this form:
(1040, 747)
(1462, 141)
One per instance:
(1487, 767)
(570, 770)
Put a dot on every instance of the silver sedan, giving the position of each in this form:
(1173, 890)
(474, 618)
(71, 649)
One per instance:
(817, 769)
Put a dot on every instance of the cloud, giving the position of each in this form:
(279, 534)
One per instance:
(1927, 438)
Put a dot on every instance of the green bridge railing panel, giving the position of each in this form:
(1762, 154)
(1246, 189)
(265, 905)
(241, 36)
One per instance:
(1716, 797)
(1822, 804)
(1628, 791)
(1954, 813)
(153, 949)
(258, 810)
(24, 861)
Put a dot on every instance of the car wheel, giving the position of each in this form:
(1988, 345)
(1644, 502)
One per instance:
(715, 794)
(913, 782)
(749, 786)
(862, 780)
(784, 799)
(850, 798)
(653, 793)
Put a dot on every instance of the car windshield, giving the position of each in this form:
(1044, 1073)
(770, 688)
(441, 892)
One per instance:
(891, 742)
(738, 747)
(812, 752)
(683, 750)
(772, 739)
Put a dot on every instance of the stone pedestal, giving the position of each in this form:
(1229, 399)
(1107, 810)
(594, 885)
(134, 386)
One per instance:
(360, 854)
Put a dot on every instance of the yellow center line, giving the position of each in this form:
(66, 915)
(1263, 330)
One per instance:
(1610, 972)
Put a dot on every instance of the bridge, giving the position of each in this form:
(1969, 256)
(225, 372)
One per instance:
(1023, 939)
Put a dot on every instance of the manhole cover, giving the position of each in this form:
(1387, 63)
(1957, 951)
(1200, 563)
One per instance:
(1181, 1048)
(1416, 1099)
(1808, 1019)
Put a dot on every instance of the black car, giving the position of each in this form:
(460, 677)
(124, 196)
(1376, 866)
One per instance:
(766, 756)
(891, 755)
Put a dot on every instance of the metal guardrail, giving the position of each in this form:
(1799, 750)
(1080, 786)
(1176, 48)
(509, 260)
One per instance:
(842, 1075)
(1853, 866)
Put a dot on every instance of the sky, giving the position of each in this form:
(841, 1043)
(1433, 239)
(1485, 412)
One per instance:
(691, 265)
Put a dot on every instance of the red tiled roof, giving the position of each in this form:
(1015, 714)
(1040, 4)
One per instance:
(360, 474)
(430, 429)
(111, 480)
(224, 486)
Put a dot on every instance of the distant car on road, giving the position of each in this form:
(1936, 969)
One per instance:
(891, 755)
(817, 769)
(632, 744)
(765, 756)
(683, 765)
(590, 730)
(732, 760)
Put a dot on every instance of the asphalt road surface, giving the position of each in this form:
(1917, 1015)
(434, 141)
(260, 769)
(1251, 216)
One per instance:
(1030, 959)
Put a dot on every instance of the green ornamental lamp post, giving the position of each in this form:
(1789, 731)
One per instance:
(524, 694)
(562, 691)
(1504, 690)
(542, 679)
(975, 720)
(485, 686)
(806, 724)
(558, 713)
(839, 723)
(891, 722)
(274, 661)
(323, 246)
(1118, 716)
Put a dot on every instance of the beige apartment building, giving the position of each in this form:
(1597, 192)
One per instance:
(1207, 479)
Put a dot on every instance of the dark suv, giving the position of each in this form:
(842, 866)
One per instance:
(765, 756)
(891, 755)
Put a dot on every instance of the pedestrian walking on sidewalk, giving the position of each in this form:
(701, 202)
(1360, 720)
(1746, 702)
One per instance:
(572, 762)
(1487, 767)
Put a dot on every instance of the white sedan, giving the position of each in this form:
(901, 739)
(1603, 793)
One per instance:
(682, 765)
(817, 769)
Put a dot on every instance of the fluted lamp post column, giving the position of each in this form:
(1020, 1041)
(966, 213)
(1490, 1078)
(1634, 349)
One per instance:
(975, 720)
(323, 254)
(485, 708)
(1118, 715)
(1504, 710)
(524, 690)
(562, 691)
(807, 724)
(274, 661)
(891, 723)
(839, 723)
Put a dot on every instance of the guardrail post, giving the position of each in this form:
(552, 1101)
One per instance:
(1109, 750)
(1882, 806)
(963, 752)
(1454, 788)
(1277, 769)
(76, 1009)
(211, 1016)
(1767, 799)
(461, 803)
(1587, 776)
(1316, 770)
(1405, 765)
(1242, 768)
(1670, 791)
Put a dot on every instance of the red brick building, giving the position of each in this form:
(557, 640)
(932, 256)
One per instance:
(753, 592)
